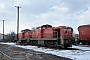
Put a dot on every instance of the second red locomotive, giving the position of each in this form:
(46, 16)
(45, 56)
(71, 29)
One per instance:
(84, 34)
(46, 35)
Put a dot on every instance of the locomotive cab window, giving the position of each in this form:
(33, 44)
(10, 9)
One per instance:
(43, 27)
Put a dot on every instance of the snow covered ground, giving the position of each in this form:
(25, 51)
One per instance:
(83, 54)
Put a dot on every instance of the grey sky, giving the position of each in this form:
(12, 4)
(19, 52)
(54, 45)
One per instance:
(34, 13)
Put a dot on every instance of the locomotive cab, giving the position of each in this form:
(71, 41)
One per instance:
(23, 37)
(43, 27)
(64, 35)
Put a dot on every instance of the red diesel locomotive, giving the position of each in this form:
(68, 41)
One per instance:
(84, 34)
(46, 35)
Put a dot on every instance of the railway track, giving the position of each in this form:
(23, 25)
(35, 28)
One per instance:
(8, 52)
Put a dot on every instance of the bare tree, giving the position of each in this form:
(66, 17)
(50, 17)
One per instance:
(33, 28)
(10, 37)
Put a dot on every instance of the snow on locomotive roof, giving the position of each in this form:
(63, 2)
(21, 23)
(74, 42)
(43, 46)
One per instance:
(25, 30)
(44, 26)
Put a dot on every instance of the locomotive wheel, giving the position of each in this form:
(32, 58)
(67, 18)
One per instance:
(83, 43)
(46, 45)
(52, 44)
(55, 44)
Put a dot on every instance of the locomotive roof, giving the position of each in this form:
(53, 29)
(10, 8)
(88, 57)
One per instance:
(44, 26)
(25, 30)
(64, 26)
(84, 26)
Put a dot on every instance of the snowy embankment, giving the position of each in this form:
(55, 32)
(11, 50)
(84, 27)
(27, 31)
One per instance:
(83, 54)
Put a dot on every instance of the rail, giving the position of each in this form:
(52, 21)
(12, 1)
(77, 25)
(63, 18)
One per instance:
(4, 56)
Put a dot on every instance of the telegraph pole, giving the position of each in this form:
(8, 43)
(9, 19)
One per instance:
(17, 20)
(3, 29)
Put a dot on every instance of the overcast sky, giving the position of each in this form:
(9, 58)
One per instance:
(35, 13)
